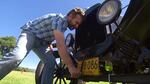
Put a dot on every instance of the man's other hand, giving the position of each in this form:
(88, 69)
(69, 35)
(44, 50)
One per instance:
(75, 72)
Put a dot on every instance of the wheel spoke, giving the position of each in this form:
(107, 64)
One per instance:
(60, 81)
(116, 24)
(64, 81)
(56, 81)
(57, 65)
(63, 66)
(110, 28)
(55, 71)
(55, 76)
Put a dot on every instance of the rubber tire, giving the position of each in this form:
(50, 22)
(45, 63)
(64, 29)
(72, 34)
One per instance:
(38, 72)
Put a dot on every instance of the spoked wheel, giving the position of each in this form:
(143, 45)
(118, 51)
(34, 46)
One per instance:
(60, 74)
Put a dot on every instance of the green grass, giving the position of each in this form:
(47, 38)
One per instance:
(16, 77)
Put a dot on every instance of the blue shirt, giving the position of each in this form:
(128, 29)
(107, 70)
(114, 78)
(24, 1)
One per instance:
(43, 26)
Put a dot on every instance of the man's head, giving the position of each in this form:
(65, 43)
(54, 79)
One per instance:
(75, 17)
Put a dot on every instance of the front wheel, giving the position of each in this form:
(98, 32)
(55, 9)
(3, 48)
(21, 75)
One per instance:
(59, 74)
(38, 72)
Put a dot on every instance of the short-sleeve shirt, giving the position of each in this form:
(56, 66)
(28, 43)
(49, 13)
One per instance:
(43, 27)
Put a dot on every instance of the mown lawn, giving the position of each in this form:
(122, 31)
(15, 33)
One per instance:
(16, 77)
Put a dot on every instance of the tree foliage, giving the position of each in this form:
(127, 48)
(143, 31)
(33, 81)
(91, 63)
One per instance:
(23, 69)
(9, 41)
(7, 44)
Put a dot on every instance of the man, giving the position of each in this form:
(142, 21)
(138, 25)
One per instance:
(36, 35)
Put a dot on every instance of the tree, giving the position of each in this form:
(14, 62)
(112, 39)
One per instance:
(6, 44)
(23, 69)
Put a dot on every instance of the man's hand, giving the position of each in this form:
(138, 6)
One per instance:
(75, 72)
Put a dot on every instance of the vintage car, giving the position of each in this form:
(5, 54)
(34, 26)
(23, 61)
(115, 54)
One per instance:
(105, 53)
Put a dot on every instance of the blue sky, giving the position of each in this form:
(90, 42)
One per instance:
(15, 13)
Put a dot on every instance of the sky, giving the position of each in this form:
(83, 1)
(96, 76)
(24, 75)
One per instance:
(15, 13)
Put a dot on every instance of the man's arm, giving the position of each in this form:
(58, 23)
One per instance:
(60, 42)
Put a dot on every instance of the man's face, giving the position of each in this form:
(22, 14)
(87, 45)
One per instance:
(75, 21)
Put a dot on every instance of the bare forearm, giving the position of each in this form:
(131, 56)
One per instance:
(64, 55)
(62, 48)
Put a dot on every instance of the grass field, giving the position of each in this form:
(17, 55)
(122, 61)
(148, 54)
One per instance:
(16, 77)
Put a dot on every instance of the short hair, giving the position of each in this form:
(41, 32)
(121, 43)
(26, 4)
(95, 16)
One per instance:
(77, 11)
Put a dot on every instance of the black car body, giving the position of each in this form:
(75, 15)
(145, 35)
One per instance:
(128, 44)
